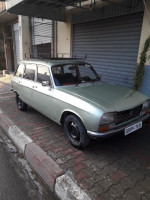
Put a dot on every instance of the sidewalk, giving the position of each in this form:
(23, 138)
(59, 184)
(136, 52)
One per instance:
(114, 169)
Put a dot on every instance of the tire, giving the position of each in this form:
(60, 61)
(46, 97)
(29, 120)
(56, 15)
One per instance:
(76, 131)
(20, 104)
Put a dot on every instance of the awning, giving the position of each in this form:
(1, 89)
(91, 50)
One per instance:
(57, 9)
(47, 9)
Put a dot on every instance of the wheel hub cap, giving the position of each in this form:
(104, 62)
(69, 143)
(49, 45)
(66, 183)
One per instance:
(74, 131)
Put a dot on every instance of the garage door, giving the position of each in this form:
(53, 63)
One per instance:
(111, 46)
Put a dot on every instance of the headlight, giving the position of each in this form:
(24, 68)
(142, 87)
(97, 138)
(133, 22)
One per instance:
(146, 107)
(107, 118)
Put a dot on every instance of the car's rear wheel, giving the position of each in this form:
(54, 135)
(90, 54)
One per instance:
(20, 104)
(76, 131)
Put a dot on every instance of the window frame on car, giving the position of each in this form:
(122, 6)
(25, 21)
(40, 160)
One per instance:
(30, 64)
(50, 76)
(78, 73)
(19, 64)
(62, 72)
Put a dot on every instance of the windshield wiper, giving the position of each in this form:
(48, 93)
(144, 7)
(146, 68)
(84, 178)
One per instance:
(80, 81)
(96, 79)
(83, 81)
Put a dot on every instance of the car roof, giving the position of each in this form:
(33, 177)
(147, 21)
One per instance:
(52, 62)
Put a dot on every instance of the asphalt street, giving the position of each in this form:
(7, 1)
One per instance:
(14, 183)
(12, 186)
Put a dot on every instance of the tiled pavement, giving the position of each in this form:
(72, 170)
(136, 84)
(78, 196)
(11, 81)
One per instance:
(112, 169)
(4, 88)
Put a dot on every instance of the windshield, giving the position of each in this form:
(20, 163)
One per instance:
(70, 74)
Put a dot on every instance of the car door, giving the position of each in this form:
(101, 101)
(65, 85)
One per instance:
(28, 83)
(43, 94)
(17, 79)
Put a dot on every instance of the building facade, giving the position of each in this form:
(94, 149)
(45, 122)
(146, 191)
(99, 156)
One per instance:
(25, 37)
(7, 22)
(109, 34)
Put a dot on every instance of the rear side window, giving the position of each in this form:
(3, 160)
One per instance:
(20, 70)
(29, 72)
(43, 74)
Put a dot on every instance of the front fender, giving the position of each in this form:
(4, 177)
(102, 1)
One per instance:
(90, 120)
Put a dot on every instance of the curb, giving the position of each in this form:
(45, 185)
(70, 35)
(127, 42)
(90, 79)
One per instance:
(59, 182)
(44, 165)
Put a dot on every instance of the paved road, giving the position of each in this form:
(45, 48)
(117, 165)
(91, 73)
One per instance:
(114, 169)
(15, 184)
(12, 186)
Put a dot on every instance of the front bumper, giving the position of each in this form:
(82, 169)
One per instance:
(118, 129)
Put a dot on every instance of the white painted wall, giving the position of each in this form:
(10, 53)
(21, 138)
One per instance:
(64, 39)
(10, 3)
(16, 42)
(24, 37)
(145, 32)
(2, 6)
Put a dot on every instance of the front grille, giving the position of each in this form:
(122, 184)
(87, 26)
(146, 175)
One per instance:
(127, 115)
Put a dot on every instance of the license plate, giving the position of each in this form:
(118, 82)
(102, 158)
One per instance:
(133, 128)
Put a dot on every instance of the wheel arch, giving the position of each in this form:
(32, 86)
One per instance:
(66, 113)
(16, 93)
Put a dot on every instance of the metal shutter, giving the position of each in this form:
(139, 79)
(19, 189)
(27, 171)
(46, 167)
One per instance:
(17, 47)
(41, 31)
(111, 46)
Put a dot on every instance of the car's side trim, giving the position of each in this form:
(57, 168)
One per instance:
(116, 130)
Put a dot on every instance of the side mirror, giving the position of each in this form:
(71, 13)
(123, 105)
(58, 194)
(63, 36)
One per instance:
(45, 83)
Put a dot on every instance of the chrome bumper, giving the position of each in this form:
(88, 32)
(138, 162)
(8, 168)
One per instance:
(116, 130)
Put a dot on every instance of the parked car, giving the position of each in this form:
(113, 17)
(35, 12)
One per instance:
(71, 93)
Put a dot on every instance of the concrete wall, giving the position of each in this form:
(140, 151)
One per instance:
(8, 55)
(2, 6)
(24, 37)
(145, 32)
(145, 88)
(64, 38)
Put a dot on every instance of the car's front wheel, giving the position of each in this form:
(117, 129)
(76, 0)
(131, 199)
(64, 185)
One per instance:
(20, 104)
(76, 131)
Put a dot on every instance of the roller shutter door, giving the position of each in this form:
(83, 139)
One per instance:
(17, 47)
(42, 37)
(41, 31)
(111, 46)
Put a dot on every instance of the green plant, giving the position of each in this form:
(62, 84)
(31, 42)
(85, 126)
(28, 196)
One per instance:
(140, 67)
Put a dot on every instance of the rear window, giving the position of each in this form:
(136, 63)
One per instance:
(29, 72)
(20, 70)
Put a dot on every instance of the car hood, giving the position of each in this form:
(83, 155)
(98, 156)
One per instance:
(109, 97)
